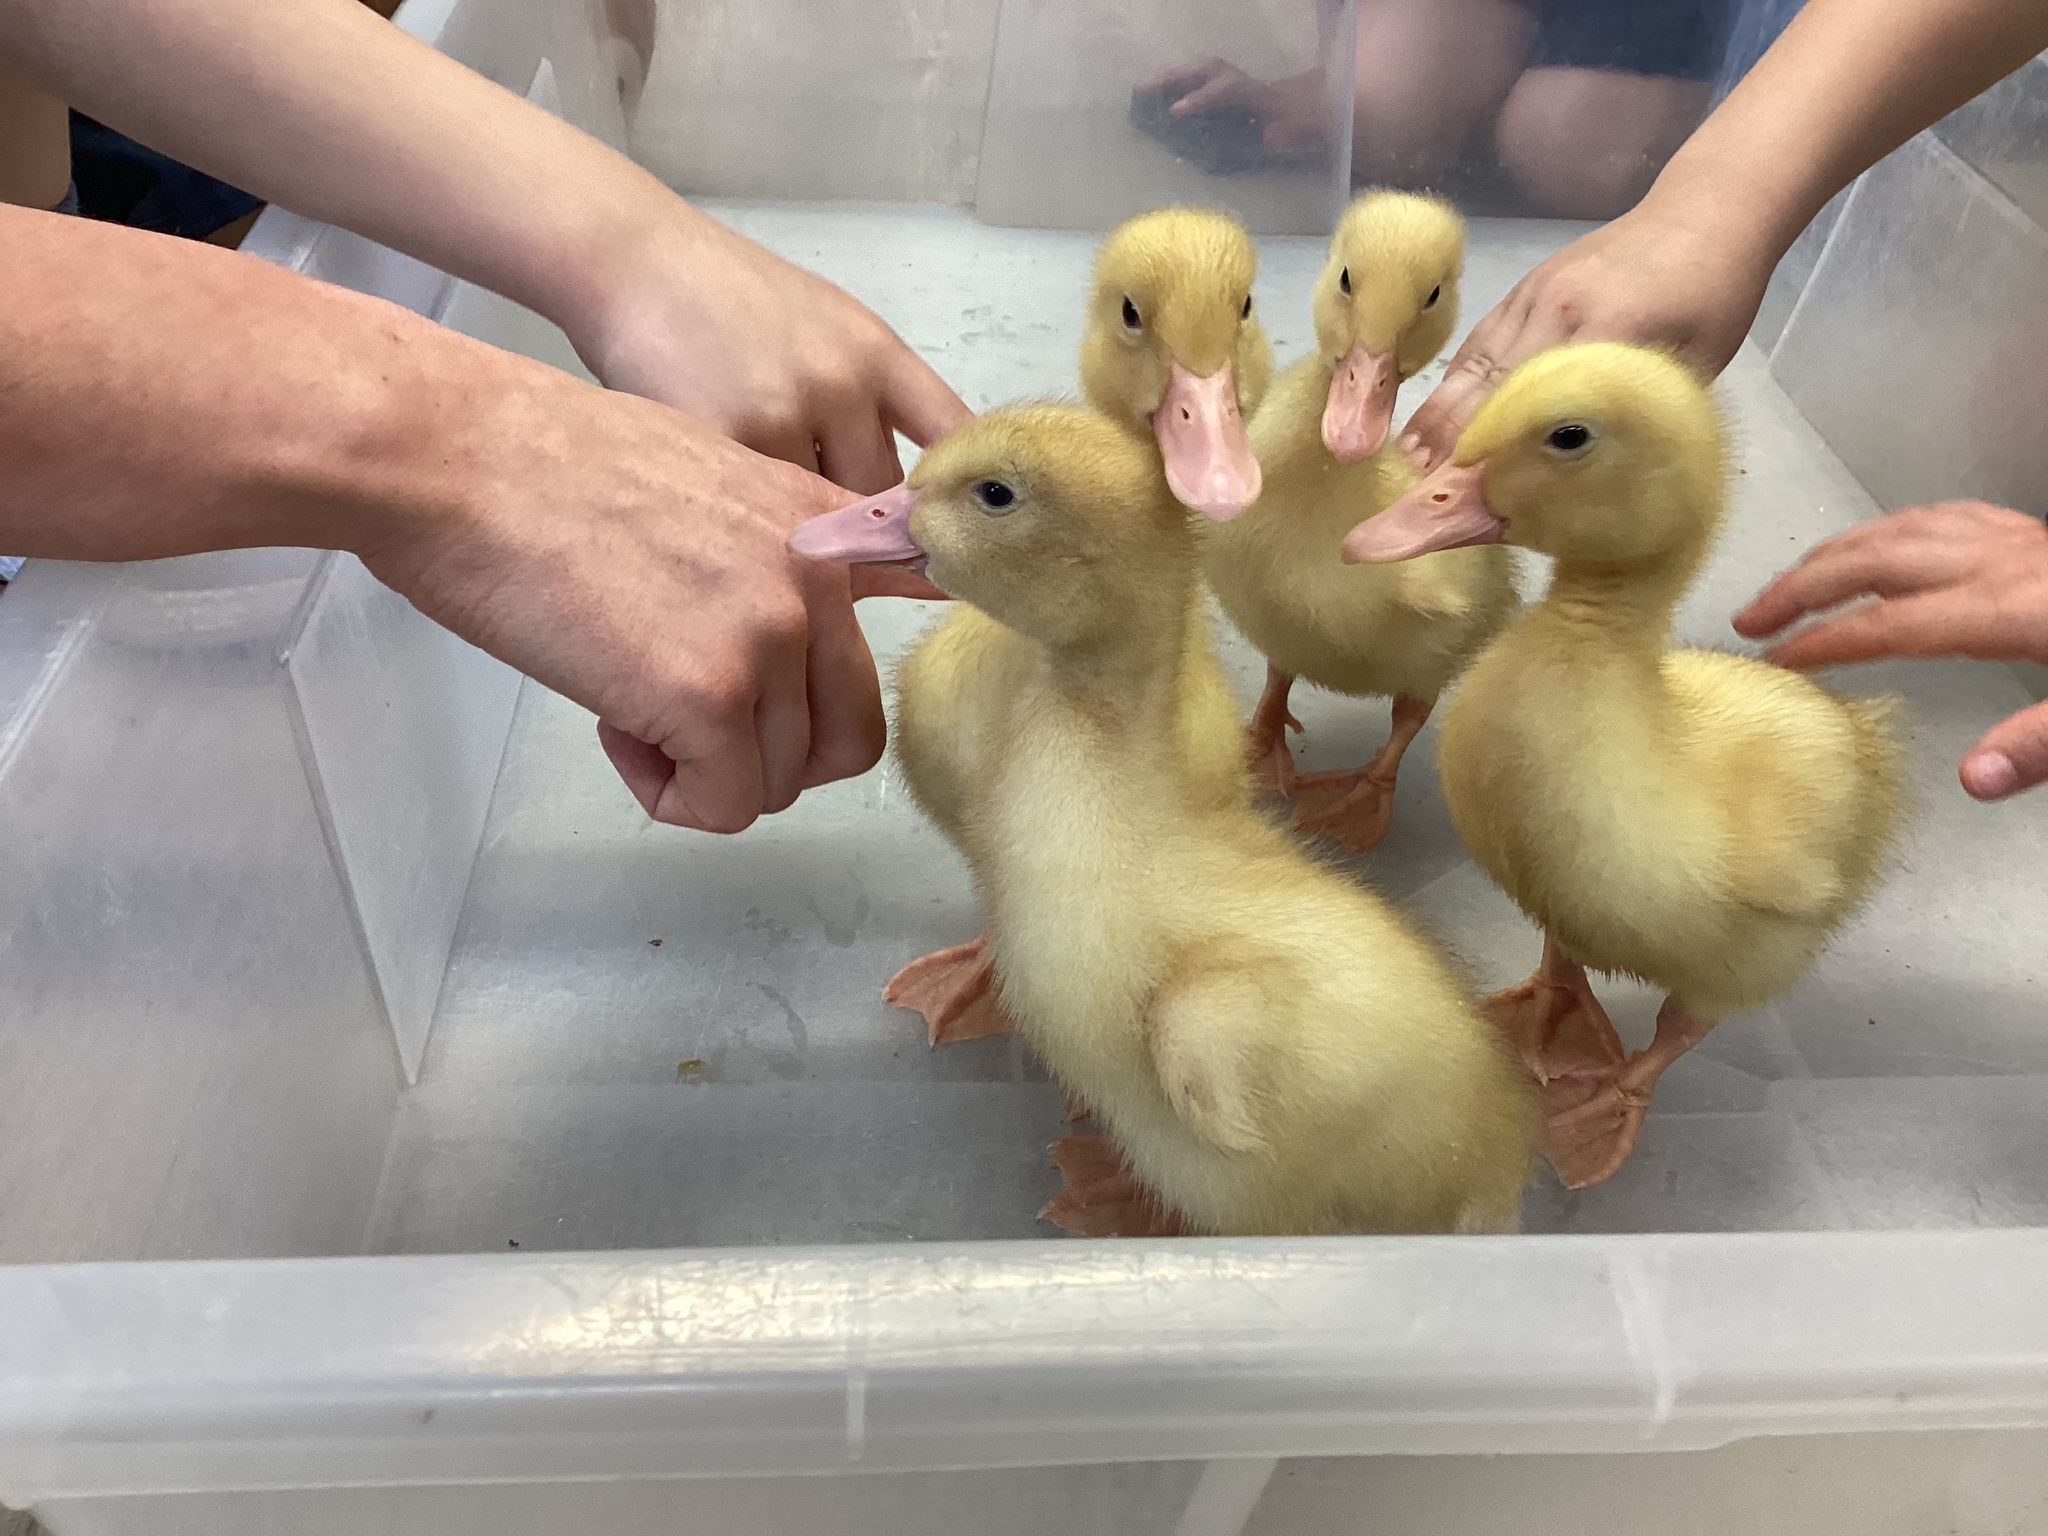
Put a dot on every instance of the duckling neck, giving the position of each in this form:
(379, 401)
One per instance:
(1130, 677)
(1127, 674)
(1292, 417)
(1631, 605)
(1104, 395)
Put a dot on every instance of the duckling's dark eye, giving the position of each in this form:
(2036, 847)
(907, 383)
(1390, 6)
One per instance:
(1246, 312)
(994, 496)
(1131, 320)
(1569, 438)
(1434, 294)
(1344, 282)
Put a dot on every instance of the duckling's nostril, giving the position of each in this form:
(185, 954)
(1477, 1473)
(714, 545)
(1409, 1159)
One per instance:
(1439, 497)
(876, 512)
(1186, 414)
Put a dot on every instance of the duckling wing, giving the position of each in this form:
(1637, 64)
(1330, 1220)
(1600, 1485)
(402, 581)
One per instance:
(1208, 1060)
(1802, 798)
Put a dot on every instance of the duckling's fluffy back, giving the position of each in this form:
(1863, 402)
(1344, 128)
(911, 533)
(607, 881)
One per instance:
(1704, 826)
(1275, 1048)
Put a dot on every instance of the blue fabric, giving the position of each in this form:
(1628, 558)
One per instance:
(124, 182)
(1683, 39)
(10, 566)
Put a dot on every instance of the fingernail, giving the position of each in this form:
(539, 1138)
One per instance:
(1990, 776)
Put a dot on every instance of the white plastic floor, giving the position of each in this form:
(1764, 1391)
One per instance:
(652, 1037)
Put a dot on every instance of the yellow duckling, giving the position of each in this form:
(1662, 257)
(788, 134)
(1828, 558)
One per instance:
(1173, 349)
(1702, 821)
(1172, 352)
(1385, 304)
(1273, 1049)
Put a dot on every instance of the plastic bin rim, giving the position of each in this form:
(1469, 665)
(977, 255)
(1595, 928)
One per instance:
(156, 1377)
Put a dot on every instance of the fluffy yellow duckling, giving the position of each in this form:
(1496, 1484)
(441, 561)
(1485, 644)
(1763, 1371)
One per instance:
(1273, 1049)
(1173, 352)
(1173, 349)
(1699, 820)
(1385, 304)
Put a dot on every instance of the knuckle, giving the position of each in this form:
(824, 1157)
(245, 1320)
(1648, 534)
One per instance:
(782, 623)
(851, 749)
(722, 694)
(780, 799)
(725, 820)
(843, 378)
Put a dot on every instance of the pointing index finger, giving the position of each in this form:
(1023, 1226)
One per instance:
(1498, 344)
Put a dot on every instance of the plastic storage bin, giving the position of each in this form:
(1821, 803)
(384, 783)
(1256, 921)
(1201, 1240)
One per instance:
(698, 1236)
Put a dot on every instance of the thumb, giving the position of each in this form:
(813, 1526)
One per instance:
(2010, 757)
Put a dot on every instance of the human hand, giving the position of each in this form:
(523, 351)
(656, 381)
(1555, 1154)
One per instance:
(636, 561)
(1655, 277)
(1958, 579)
(697, 317)
(1290, 112)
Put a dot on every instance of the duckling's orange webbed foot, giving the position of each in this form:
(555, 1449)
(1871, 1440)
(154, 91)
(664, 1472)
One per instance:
(1102, 1197)
(1356, 806)
(1267, 753)
(1568, 1043)
(1590, 1140)
(954, 989)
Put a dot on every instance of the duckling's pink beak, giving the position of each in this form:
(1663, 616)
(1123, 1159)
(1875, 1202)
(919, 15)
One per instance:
(1360, 410)
(1210, 465)
(871, 532)
(1446, 511)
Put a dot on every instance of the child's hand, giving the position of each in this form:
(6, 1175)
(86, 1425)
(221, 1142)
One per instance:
(1648, 277)
(1290, 112)
(774, 356)
(1958, 579)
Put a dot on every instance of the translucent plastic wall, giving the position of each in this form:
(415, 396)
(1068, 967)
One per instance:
(1032, 112)
(259, 838)
(1067, 114)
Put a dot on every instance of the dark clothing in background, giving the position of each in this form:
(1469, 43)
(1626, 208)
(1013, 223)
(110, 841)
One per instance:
(122, 182)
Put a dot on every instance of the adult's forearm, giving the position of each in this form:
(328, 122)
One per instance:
(160, 397)
(323, 107)
(1846, 84)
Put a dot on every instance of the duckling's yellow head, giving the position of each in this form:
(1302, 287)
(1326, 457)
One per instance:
(1385, 304)
(1597, 453)
(1051, 518)
(1174, 348)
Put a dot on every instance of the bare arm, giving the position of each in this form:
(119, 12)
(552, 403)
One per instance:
(159, 397)
(325, 108)
(1847, 83)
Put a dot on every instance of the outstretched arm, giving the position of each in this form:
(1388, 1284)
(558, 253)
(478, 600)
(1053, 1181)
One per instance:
(1847, 83)
(159, 397)
(325, 108)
